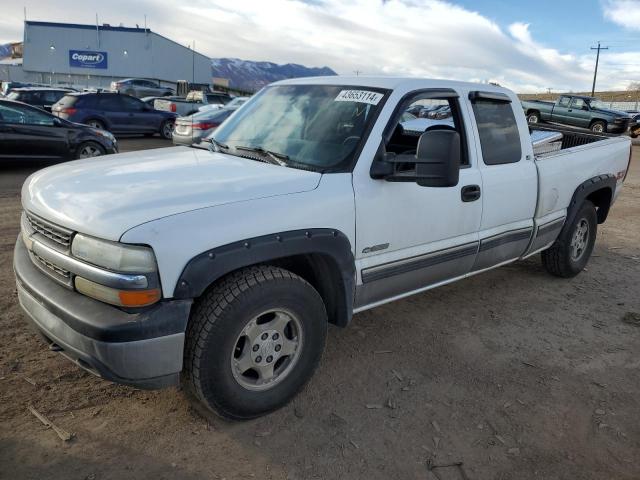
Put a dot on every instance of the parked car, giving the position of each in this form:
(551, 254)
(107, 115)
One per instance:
(40, 97)
(577, 111)
(192, 129)
(115, 112)
(28, 132)
(634, 126)
(193, 101)
(237, 102)
(223, 268)
(7, 87)
(141, 87)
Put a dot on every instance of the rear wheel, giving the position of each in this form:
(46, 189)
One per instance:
(253, 341)
(571, 251)
(598, 127)
(95, 124)
(533, 117)
(90, 149)
(166, 129)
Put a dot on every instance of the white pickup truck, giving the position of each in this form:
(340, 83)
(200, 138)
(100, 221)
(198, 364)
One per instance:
(223, 268)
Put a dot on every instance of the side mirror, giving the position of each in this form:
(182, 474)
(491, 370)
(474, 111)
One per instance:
(435, 164)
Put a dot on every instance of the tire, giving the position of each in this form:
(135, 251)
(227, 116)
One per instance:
(90, 149)
(221, 341)
(92, 122)
(166, 130)
(571, 251)
(534, 117)
(598, 127)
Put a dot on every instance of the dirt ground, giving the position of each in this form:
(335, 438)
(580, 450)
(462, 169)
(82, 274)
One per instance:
(515, 373)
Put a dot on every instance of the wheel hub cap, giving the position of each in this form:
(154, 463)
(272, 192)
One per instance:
(580, 239)
(266, 350)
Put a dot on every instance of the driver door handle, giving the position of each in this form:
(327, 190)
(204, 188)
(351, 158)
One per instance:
(470, 193)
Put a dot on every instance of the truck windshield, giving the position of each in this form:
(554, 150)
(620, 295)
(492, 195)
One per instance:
(595, 103)
(318, 127)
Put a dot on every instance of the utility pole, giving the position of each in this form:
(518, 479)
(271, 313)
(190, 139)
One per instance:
(595, 72)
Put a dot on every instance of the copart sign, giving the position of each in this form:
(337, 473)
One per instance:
(87, 59)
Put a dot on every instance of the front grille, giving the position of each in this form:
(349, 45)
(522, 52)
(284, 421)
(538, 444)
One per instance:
(60, 235)
(65, 274)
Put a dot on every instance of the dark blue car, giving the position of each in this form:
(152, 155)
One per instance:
(115, 112)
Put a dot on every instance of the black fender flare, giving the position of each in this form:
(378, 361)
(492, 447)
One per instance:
(585, 189)
(207, 267)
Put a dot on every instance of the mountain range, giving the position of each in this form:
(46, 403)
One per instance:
(5, 50)
(252, 76)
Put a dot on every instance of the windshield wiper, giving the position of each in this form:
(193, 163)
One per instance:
(217, 146)
(276, 158)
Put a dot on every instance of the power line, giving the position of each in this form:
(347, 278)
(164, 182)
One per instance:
(595, 72)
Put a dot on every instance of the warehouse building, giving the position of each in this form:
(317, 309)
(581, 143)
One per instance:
(95, 55)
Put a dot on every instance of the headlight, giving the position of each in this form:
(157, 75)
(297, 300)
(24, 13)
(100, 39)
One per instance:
(103, 133)
(113, 255)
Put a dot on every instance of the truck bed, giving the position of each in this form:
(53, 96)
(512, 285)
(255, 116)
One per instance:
(581, 156)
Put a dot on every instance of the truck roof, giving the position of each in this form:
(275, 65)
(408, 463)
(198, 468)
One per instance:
(584, 97)
(391, 83)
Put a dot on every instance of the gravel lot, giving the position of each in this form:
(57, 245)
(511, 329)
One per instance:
(514, 373)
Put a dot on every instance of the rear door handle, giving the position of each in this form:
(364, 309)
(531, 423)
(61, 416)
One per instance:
(470, 193)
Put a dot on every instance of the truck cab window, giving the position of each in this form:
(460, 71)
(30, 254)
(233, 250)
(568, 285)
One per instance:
(578, 103)
(564, 102)
(499, 134)
(421, 115)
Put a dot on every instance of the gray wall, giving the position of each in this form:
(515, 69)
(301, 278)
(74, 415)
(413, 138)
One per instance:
(148, 55)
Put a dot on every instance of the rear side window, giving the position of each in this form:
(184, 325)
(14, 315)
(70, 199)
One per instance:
(499, 135)
(564, 101)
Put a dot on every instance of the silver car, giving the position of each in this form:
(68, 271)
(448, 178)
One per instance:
(140, 87)
(192, 129)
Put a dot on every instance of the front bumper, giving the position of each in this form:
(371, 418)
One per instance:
(617, 127)
(142, 349)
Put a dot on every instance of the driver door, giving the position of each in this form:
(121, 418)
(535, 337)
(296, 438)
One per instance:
(409, 237)
(27, 132)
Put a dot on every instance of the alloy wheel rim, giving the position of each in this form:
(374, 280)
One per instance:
(533, 119)
(167, 130)
(598, 128)
(267, 350)
(89, 151)
(580, 240)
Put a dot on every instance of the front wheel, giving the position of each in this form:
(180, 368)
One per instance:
(90, 149)
(166, 129)
(598, 127)
(571, 251)
(253, 341)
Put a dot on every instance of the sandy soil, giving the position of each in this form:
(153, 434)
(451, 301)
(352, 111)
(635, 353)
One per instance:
(515, 373)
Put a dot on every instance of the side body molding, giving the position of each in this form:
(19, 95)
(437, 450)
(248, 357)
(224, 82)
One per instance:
(207, 267)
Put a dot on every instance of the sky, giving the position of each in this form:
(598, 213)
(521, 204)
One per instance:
(528, 46)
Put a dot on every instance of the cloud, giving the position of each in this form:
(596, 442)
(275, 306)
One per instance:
(623, 12)
(426, 38)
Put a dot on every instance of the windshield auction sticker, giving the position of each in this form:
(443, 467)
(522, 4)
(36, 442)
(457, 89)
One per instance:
(360, 96)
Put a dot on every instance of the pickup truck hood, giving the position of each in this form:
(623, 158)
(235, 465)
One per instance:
(611, 112)
(106, 196)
